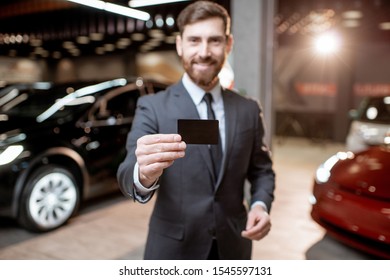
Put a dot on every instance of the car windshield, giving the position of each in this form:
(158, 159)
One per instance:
(45, 101)
(376, 109)
(28, 101)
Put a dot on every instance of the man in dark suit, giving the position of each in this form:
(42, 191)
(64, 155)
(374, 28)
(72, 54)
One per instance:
(200, 213)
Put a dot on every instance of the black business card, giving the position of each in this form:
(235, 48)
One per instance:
(199, 131)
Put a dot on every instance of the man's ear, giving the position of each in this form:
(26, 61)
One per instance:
(178, 45)
(229, 45)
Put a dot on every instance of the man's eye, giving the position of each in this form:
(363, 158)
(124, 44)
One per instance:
(193, 40)
(216, 41)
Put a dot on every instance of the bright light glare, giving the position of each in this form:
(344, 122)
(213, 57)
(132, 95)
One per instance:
(322, 175)
(327, 43)
(323, 171)
(143, 3)
(11, 153)
(113, 8)
(77, 94)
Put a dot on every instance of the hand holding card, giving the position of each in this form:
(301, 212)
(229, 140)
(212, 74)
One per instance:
(199, 131)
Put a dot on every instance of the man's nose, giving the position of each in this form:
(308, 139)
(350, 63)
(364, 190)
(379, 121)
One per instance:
(204, 50)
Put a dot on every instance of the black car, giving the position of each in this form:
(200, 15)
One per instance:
(61, 144)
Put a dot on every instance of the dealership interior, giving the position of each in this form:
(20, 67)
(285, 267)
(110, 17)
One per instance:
(312, 65)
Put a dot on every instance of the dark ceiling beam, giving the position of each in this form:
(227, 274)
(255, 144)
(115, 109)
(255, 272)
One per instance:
(20, 8)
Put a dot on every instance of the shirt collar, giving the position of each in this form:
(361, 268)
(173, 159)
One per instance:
(197, 93)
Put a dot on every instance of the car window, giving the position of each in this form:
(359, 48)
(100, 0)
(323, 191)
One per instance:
(27, 104)
(376, 109)
(115, 107)
(123, 105)
(31, 101)
(14, 97)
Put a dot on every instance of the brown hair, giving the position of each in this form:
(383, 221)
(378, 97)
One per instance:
(201, 10)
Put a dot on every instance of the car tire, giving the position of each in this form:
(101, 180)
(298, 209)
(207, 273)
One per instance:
(50, 198)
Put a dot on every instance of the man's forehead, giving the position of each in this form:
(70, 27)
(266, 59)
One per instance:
(209, 27)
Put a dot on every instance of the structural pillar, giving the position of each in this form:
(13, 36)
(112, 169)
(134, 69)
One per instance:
(253, 50)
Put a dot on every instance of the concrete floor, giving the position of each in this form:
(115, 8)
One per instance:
(115, 228)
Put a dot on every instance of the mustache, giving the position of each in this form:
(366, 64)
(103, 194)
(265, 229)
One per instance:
(207, 59)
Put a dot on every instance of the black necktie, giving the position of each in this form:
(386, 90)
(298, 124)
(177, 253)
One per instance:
(215, 150)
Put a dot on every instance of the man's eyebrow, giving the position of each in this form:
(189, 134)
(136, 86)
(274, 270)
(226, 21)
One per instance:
(193, 36)
(212, 37)
(218, 37)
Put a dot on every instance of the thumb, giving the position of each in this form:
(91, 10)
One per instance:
(250, 222)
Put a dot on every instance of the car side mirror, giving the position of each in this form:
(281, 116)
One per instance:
(353, 114)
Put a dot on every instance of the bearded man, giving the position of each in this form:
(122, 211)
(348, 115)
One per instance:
(200, 211)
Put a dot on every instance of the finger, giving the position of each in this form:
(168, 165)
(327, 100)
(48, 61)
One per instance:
(257, 232)
(154, 169)
(161, 152)
(250, 222)
(166, 147)
(161, 157)
(159, 138)
(148, 147)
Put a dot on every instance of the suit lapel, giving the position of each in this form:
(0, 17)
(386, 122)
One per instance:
(184, 105)
(230, 128)
(186, 109)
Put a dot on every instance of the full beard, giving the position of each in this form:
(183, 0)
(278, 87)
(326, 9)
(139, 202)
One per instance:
(205, 79)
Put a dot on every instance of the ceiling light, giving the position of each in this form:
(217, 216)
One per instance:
(145, 48)
(350, 23)
(35, 42)
(113, 8)
(74, 52)
(159, 21)
(327, 43)
(170, 40)
(170, 21)
(156, 33)
(96, 36)
(19, 38)
(142, 3)
(149, 24)
(26, 38)
(123, 43)
(352, 14)
(109, 47)
(384, 25)
(82, 40)
(68, 45)
(153, 43)
(138, 37)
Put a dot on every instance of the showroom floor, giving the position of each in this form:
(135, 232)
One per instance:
(116, 228)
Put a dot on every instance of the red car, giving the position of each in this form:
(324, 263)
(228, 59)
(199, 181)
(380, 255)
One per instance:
(351, 199)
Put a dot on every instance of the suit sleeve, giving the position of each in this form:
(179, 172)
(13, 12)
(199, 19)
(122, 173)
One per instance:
(144, 123)
(260, 173)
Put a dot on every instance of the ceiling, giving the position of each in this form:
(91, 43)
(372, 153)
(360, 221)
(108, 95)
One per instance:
(53, 29)
(358, 21)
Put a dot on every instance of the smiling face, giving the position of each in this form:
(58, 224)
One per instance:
(203, 48)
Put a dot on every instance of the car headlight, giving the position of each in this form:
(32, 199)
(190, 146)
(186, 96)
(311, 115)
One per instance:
(10, 154)
(323, 171)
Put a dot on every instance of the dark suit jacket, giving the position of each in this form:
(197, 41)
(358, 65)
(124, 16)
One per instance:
(190, 210)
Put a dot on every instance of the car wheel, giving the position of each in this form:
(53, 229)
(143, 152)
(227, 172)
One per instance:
(50, 197)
